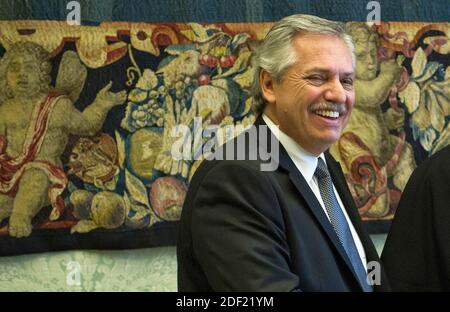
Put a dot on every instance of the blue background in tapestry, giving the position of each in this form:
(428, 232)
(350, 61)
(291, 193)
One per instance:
(94, 12)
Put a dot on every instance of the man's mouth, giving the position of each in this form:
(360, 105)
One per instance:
(328, 114)
(328, 110)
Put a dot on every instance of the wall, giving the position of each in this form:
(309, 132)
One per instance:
(123, 270)
(153, 269)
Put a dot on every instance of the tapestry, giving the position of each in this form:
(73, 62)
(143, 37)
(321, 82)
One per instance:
(87, 119)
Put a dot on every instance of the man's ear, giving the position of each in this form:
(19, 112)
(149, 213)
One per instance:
(267, 86)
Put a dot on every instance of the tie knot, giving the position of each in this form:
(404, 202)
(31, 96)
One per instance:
(321, 170)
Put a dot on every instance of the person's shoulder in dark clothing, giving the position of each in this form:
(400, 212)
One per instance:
(416, 255)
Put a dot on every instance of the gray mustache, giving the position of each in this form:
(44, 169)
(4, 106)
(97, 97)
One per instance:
(338, 107)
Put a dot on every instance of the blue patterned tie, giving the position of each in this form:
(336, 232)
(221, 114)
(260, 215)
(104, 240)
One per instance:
(339, 222)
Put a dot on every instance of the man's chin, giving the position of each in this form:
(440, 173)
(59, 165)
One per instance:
(330, 140)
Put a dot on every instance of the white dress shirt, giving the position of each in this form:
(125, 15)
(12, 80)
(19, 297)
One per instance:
(306, 163)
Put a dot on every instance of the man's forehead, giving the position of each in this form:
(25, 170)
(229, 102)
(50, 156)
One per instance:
(323, 53)
(318, 43)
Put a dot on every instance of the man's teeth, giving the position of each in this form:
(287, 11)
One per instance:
(332, 114)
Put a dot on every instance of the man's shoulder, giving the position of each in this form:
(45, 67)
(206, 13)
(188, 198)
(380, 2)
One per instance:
(435, 168)
(226, 167)
(442, 157)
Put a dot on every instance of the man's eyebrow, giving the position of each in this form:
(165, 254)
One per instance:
(318, 70)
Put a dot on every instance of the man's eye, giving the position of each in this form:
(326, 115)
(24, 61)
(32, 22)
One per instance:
(316, 78)
(347, 83)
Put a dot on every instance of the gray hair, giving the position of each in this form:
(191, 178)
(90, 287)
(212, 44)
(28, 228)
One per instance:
(276, 54)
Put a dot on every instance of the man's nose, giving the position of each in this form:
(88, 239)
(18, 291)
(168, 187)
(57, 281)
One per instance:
(335, 92)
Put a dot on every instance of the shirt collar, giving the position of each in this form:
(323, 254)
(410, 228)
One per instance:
(303, 160)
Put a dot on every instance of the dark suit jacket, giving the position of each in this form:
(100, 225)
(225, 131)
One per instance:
(417, 250)
(243, 229)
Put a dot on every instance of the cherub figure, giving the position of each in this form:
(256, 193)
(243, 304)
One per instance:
(35, 124)
(369, 153)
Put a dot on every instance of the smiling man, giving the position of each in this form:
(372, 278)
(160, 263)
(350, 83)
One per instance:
(295, 228)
